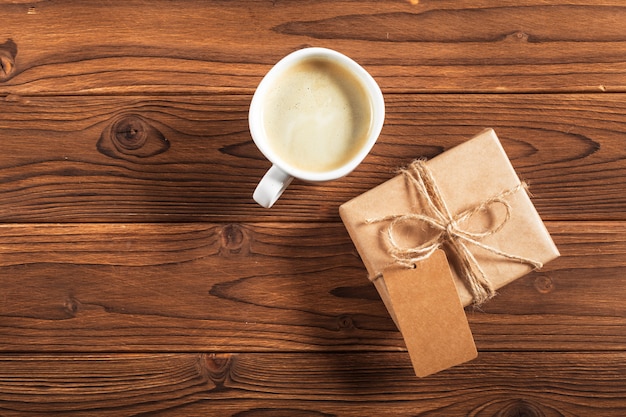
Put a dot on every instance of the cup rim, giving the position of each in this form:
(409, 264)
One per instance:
(373, 91)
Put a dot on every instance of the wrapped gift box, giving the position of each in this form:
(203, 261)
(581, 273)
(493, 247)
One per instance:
(486, 213)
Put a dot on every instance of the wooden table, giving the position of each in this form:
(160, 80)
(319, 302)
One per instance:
(138, 276)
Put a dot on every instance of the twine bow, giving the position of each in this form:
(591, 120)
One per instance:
(450, 231)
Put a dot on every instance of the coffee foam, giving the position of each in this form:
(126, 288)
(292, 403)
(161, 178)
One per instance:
(317, 115)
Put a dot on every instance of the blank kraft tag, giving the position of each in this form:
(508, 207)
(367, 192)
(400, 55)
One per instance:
(430, 315)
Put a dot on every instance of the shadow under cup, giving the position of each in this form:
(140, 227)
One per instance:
(315, 116)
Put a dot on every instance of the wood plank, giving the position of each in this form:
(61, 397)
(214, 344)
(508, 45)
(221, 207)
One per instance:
(91, 47)
(274, 286)
(283, 384)
(64, 158)
(143, 280)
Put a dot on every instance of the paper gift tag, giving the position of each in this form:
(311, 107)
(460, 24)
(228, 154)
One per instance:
(430, 315)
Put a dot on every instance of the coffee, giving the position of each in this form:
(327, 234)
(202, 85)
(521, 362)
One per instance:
(317, 116)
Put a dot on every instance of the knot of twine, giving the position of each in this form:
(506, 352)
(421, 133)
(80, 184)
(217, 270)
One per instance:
(450, 232)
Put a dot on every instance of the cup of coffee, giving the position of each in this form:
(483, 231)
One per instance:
(314, 116)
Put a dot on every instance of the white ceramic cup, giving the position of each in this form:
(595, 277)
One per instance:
(282, 172)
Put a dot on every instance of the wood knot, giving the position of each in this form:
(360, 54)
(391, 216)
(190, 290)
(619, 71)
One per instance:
(345, 322)
(520, 408)
(544, 284)
(519, 36)
(72, 307)
(130, 132)
(8, 52)
(232, 238)
(218, 367)
(130, 135)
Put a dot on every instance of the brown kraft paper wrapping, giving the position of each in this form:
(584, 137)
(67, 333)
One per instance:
(466, 175)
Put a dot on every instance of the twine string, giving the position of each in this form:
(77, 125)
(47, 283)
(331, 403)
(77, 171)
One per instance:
(450, 232)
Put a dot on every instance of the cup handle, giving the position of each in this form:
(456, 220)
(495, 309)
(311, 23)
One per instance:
(271, 186)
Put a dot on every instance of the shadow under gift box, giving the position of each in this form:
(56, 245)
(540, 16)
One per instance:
(466, 176)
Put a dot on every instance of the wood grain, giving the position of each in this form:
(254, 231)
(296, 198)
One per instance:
(274, 286)
(91, 47)
(72, 159)
(311, 385)
(138, 277)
